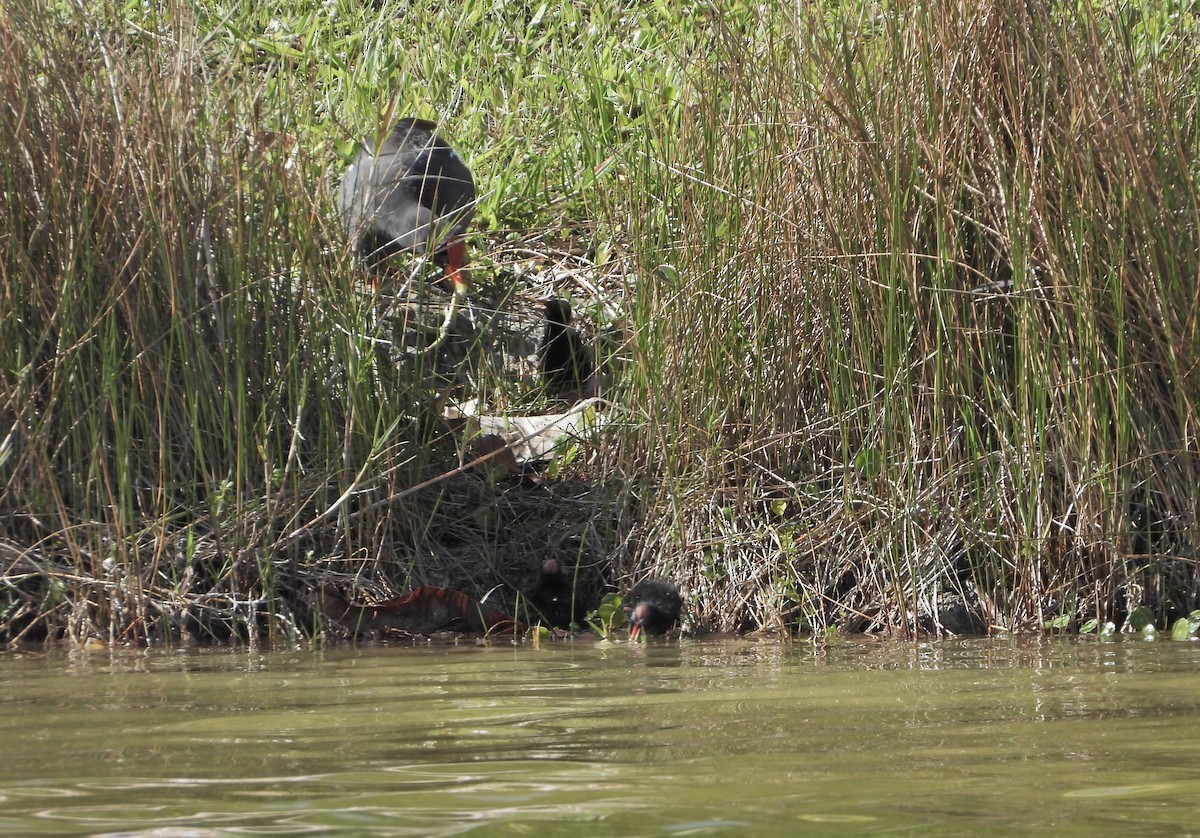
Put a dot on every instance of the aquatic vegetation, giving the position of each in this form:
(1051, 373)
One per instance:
(608, 616)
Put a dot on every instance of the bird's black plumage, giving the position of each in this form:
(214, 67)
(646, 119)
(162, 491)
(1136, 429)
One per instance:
(554, 596)
(652, 607)
(563, 357)
(413, 193)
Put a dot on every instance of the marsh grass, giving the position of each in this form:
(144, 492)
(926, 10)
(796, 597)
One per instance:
(207, 415)
(900, 306)
(924, 356)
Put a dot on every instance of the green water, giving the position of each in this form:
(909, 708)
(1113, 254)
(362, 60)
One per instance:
(695, 738)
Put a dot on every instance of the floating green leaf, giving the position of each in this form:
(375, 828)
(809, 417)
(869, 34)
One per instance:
(1140, 618)
(1193, 622)
(1059, 623)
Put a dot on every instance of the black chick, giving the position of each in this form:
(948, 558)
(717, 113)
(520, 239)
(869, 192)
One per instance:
(652, 606)
(553, 596)
(563, 358)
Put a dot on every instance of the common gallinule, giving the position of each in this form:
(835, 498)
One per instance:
(412, 193)
(553, 596)
(563, 357)
(652, 607)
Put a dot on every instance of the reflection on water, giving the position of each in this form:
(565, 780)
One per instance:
(695, 738)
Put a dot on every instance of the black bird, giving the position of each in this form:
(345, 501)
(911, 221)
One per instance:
(412, 194)
(553, 596)
(653, 607)
(563, 357)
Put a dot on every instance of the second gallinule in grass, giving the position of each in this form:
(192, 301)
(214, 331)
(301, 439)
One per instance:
(652, 607)
(554, 596)
(412, 193)
(564, 359)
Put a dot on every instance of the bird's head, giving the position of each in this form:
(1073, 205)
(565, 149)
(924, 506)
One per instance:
(639, 615)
